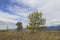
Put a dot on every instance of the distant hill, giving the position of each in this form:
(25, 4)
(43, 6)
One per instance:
(48, 28)
(53, 27)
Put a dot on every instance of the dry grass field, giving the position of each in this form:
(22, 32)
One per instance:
(27, 35)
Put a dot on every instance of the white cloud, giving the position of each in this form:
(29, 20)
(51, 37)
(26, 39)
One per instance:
(4, 25)
(35, 3)
(18, 10)
(53, 22)
(50, 8)
(16, 1)
(23, 13)
(31, 3)
(8, 17)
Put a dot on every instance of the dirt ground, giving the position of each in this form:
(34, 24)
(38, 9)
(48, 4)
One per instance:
(28, 35)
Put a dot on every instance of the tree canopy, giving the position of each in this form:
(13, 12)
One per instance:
(36, 19)
(19, 25)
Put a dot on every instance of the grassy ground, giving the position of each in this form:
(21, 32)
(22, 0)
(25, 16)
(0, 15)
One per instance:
(28, 35)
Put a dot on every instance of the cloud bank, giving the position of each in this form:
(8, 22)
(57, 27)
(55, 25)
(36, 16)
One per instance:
(17, 10)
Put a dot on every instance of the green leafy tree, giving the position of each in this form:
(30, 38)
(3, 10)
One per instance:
(36, 19)
(19, 25)
(29, 27)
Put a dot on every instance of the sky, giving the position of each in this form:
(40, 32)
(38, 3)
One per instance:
(18, 10)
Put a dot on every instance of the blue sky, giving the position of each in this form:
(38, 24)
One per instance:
(17, 10)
